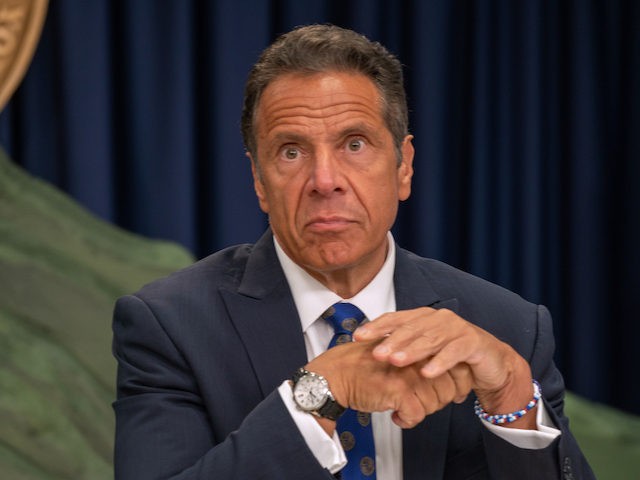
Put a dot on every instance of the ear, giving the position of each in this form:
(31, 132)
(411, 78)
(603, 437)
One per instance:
(405, 169)
(258, 186)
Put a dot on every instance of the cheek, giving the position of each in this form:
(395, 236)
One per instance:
(386, 213)
(383, 205)
(283, 202)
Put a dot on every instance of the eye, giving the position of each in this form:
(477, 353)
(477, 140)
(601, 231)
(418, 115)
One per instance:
(290, 153)
(355, 144)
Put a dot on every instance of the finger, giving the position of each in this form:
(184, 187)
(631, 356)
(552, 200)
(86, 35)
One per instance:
(412, 339)
(463, 381)
(453, 386)
(386, 324)
(378, 328)
(430, 395)
(410, 413)
(452, 354)
(400, 330)
(421, 338)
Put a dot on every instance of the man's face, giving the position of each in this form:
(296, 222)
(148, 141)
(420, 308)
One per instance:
(328, 174)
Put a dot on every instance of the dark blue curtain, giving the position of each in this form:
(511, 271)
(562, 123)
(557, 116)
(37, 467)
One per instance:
(526, 116)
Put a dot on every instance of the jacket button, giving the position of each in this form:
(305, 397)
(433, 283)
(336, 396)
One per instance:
(567, 470)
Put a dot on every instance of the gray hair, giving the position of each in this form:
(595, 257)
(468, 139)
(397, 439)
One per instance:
(322, 48)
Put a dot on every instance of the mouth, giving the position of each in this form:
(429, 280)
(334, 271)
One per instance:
(329, 224)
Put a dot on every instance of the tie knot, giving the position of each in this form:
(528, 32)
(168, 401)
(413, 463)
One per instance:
(343, 317)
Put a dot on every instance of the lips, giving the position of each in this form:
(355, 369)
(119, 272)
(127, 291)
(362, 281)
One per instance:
(332, 223)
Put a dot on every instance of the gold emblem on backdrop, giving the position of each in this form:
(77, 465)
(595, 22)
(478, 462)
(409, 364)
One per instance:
(20, 27)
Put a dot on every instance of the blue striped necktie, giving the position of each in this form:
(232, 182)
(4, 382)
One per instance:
(354, 428)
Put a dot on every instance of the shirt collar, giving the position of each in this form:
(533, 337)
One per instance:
(312, 298)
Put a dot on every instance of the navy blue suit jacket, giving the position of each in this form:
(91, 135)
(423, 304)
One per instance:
(201, 353)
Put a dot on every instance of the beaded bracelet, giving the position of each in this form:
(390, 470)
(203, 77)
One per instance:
(499, 419)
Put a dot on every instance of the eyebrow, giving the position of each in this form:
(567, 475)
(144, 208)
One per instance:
(287, 137)
(359, 128)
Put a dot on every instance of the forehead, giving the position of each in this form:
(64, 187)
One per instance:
(295, 98)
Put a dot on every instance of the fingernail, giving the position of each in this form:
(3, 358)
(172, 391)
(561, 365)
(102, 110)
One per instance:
(362, 332)
(381, 350)
(399, 356)
(428, 370)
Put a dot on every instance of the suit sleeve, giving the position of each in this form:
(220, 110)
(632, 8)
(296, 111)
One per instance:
(163, 430)
(562, 459)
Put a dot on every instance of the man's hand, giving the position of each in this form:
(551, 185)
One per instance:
(437, 343)
(362, 382)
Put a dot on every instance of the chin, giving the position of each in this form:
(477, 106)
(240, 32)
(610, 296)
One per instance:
(329, 260)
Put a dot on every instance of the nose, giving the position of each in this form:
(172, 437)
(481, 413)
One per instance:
(325, 177)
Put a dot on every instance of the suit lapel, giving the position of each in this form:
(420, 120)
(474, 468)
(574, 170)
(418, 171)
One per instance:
(266, 319)
(424, 447)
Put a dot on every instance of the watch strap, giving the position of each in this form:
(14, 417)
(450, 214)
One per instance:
(331, 409)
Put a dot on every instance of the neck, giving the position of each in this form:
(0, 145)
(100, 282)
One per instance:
(350, 280)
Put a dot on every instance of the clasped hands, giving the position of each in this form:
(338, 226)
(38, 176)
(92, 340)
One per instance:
(416, 362)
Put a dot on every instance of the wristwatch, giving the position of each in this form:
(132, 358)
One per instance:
(312, 395)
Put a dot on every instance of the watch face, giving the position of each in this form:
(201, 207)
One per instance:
(310, 392)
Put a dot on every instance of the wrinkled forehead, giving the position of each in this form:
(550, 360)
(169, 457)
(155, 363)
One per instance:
(318, 95)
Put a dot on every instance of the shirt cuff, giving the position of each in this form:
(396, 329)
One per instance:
(326, 449)
(532, 439)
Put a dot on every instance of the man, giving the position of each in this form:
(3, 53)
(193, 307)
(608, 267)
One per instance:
(206, 356)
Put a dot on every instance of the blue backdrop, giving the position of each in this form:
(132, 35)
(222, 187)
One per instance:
(526, 116)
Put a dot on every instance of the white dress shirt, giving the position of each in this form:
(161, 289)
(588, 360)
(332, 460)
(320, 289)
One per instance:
(312, 299)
